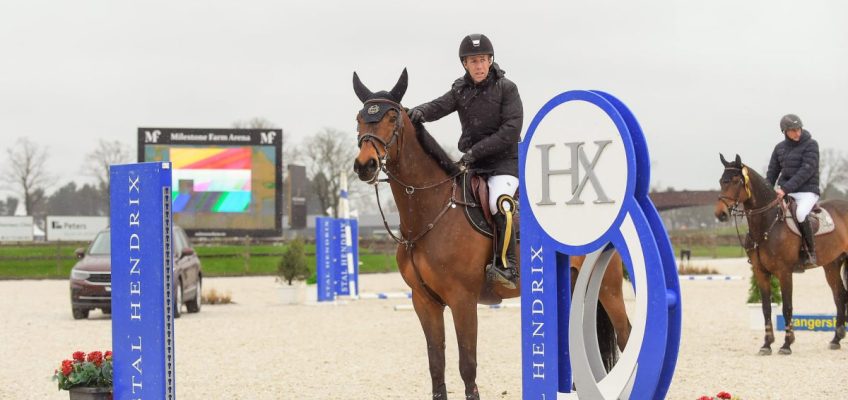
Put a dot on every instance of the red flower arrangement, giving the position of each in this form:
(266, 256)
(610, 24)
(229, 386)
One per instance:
(721, 395)
(85, 370)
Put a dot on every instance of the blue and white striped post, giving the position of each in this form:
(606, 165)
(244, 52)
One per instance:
(348, 267)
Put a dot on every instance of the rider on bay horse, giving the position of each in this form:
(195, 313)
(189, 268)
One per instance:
(491, 115)
(794, 166)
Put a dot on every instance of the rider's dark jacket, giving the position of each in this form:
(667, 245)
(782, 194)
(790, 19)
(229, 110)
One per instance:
(795, 165)
(491, 115)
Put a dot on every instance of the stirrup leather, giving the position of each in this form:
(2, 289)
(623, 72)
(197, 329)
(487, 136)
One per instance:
(506, 206)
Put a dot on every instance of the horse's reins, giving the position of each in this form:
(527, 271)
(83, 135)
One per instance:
(736, 212)
(382, 161)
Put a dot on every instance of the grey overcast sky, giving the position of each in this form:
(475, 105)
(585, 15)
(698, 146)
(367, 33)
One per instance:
(702, 77)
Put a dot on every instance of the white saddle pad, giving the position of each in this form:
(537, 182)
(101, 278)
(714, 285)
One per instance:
(826, 224)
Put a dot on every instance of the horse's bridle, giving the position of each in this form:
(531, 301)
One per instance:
(372, 107)
(735, 211)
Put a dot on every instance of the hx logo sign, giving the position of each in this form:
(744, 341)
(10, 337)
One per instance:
(267, 137)
(575, 168)
(152, 136)
(585, 172)
(578, 160)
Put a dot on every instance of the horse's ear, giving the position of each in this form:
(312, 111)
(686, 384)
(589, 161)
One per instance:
(361, 91)
(400, 87)
(723, 161)
(738, 160)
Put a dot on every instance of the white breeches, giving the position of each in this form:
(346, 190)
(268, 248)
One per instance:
(805, 201)
(500, 185)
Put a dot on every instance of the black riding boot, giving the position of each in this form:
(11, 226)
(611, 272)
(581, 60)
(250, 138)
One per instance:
(809, 256)
(504, 274)
(504, 271)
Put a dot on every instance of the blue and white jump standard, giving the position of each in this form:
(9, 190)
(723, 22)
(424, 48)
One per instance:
(585, 172)
(142, 281)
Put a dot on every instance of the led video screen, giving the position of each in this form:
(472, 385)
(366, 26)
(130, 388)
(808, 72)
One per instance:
(226, 182)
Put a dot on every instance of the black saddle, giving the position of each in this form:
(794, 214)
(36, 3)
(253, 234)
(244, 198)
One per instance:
(475, 194)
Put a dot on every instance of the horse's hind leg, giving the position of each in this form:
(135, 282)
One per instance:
(840, 297)
(431, 315)
(612, 298)
(465, 320)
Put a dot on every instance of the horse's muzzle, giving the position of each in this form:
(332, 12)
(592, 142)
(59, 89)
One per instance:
(722, 215)
(368, 171)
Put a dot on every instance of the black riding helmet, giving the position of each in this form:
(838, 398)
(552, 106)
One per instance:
(790, 121)
(474, 44)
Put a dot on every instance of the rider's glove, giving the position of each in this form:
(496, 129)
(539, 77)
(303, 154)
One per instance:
(415, 115)
(467, 158)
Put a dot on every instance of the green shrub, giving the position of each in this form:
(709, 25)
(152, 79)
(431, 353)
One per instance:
(754, 291)
(292, 265)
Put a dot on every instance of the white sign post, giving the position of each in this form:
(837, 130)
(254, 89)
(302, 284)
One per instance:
(74, 229)
(16, 229)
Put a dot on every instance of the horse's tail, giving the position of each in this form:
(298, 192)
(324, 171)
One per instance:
(845, 271)
(845, 279)
(606, 339)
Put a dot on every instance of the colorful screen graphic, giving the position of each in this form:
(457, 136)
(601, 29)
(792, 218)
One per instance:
(225, 182)
(211, 179)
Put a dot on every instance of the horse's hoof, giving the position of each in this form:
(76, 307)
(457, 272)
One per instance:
(834, 346)
(785, 351)
(765, 351)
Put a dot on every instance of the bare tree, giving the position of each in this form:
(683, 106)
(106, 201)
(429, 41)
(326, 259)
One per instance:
(327, 155)
(98, 161)
(26, 173)
(833, 173)
(254, 123)
(8, 207)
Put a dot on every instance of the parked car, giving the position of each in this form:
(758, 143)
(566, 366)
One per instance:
(91, 277)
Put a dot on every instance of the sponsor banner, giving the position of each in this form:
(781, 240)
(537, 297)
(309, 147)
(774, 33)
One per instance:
(326, 256)
(74, 229)
(16, 229)
(808, 322)
(232, 136)
(337, 257)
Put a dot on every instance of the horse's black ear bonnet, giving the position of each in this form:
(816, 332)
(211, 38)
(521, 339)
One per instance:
(373, 111)
(375, 104)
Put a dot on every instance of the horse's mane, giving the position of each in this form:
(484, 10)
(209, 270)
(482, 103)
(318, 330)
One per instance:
(760, 184)
(435, 150)
(752, 173)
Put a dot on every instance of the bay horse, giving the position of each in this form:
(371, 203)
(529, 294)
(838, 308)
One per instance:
(439, 255)
(773, 249)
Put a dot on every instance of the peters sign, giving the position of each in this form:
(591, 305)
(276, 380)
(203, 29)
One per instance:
(74, 229)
